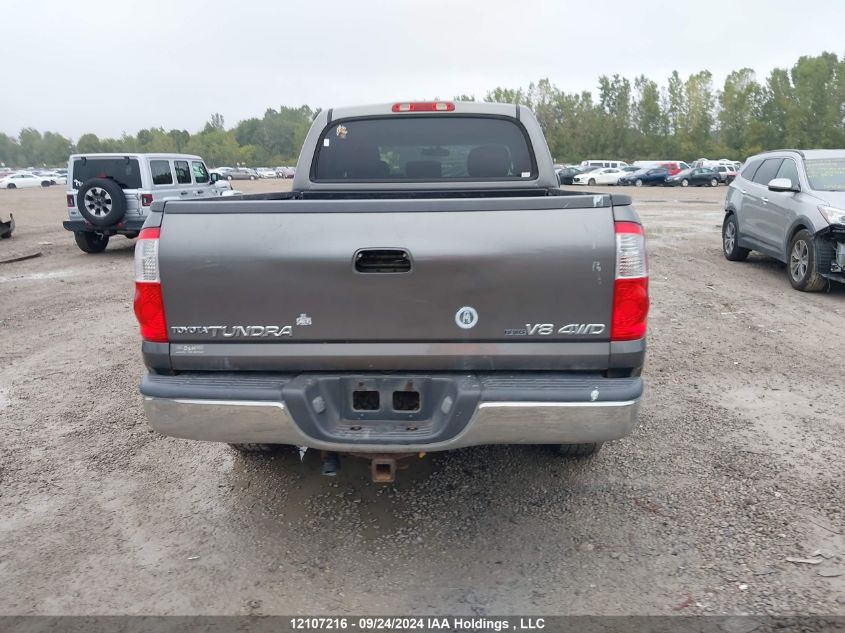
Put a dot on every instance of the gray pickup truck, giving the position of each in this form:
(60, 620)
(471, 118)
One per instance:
(425, 286)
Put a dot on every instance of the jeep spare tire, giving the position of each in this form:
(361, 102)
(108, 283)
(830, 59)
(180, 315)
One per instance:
(101, 201)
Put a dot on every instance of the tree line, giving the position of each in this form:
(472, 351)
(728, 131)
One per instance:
(684, 119)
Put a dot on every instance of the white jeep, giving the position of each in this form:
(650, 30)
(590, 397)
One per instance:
(111, 194)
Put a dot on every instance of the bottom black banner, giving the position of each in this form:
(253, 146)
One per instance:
(468, 624)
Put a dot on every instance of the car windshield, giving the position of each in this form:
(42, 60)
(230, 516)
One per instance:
(826, 174)
(429, 148)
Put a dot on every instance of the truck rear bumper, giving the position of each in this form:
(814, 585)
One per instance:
(536, 408)
(127, 225)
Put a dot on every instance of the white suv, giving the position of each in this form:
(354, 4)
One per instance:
(110, 194)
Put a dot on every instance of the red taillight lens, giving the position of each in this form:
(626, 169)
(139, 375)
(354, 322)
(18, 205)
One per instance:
(630, 309)
(146, 199)
(70, 200)
(630, 291)
(424, 106)
(149, 310)
(149, 303)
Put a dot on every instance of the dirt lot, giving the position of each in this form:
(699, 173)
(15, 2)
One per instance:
(736, 467)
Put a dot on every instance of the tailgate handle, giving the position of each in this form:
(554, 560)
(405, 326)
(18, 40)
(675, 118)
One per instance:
(382, 260)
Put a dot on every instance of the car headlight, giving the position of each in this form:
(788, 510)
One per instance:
(832, 214)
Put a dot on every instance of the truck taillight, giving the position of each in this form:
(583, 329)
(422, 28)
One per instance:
(70, 200)
(630, 292)
(146, 199)
(424, 106)
(149, 304)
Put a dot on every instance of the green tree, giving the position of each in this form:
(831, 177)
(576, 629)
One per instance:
(88, 144)
(650, 120)
(506, 95)
(696, 135)
(55, 149)
(740, 110)
(615, 104)
(30, 141)
(10, 151)
(180, 139)
(818, 118)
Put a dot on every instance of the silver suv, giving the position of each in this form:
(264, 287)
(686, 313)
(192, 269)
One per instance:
(111, 194)
(790, 204)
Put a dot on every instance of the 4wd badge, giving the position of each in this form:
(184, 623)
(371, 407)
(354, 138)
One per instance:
(466, 317)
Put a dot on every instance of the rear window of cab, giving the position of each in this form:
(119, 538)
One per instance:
(434, 148)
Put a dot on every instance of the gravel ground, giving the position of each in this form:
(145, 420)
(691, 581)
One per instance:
(736, 467)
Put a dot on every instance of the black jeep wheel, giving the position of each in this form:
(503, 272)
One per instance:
(90, 242)
(101, 201)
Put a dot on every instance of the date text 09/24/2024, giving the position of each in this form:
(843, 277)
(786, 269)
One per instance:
(398, 623)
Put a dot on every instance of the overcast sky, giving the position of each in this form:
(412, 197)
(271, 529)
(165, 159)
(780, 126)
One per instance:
(112, 66)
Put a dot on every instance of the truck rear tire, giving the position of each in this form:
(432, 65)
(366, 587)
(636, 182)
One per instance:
(89, 242)
(579, 450)
(263, 449)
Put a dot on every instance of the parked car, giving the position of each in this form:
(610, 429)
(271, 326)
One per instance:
(239, 173)
(266, 172)
(566, 175)
(696, 177)
(111, 194)
(285, 172)
(616, 164)
(672, 167)
(726, 173)
(790, 205)
(601, 176)
(55, 177)
(652, 177)
(22, 180)
(399, 339)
